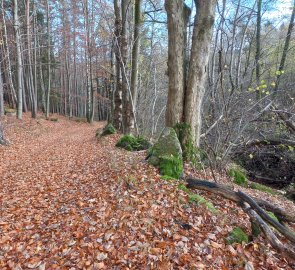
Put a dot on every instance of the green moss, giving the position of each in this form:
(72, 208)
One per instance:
(166, 154)
(131, 143)
(189, 152)
(255, 229)
(201, 200)
(167, 178)
(171, 166)
(239, 176)
(273, 216)
(262, 188)
(237, 235)
(107, 130)
(183, 188)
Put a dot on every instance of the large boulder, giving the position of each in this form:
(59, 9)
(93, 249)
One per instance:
(166, 154)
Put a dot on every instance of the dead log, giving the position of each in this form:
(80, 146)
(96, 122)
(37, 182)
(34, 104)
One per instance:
(248, 204)
(281, 228)
(224, 191)
(274, 241)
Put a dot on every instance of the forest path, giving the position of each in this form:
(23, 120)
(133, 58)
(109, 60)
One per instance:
(69, 201)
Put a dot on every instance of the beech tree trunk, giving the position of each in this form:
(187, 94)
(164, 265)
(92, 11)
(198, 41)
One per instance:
(135, 53)
(19, 65)
(201, 40)
(174, 109)
(185, 95)
(117, 114)
(1, 94)
(49, 61)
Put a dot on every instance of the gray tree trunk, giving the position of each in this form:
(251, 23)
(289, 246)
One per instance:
(174, 109)
(135, 52)
(19, 66)
(49, 60)
(201, 41)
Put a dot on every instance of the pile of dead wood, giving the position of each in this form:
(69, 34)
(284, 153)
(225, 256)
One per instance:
(269, 161)
(256, 211)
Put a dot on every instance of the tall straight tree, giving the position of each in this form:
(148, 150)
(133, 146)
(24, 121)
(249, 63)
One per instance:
(185, 95)
(48, 59)
(19, 65)
(135, 54)
(31, 80)
(1, 94)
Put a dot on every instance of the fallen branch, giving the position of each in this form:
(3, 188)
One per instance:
(224, 191)
(274, 241)
(257, 214)
(281, 228)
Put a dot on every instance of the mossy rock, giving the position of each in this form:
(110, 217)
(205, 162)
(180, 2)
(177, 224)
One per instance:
(237, 235)
(132, 143)
(107, 130)
(166, 154)
(238, 174)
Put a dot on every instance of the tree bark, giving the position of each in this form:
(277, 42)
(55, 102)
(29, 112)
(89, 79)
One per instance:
(49, 60)
(174, 108)
(19, 65)
(1, 94)
(201, 41)
(285, 50)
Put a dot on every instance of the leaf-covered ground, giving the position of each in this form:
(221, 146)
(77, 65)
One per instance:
(69, 201)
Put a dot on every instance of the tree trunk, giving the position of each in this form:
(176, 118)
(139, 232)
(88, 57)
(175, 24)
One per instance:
(174, 109)
(201, 40)
(135, 55)
(1, 94)
(257, 55)
(30, 72)
(49, 60)
(19, 66)
(286, 48)
(117, 115)
(6, 48)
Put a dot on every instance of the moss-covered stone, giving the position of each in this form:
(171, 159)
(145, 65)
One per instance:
(107, 130)
(166, 154)
(237, 235)
(238, 175)
(131, 143)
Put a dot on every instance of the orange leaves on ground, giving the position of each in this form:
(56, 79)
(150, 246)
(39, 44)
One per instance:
(71, 202)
